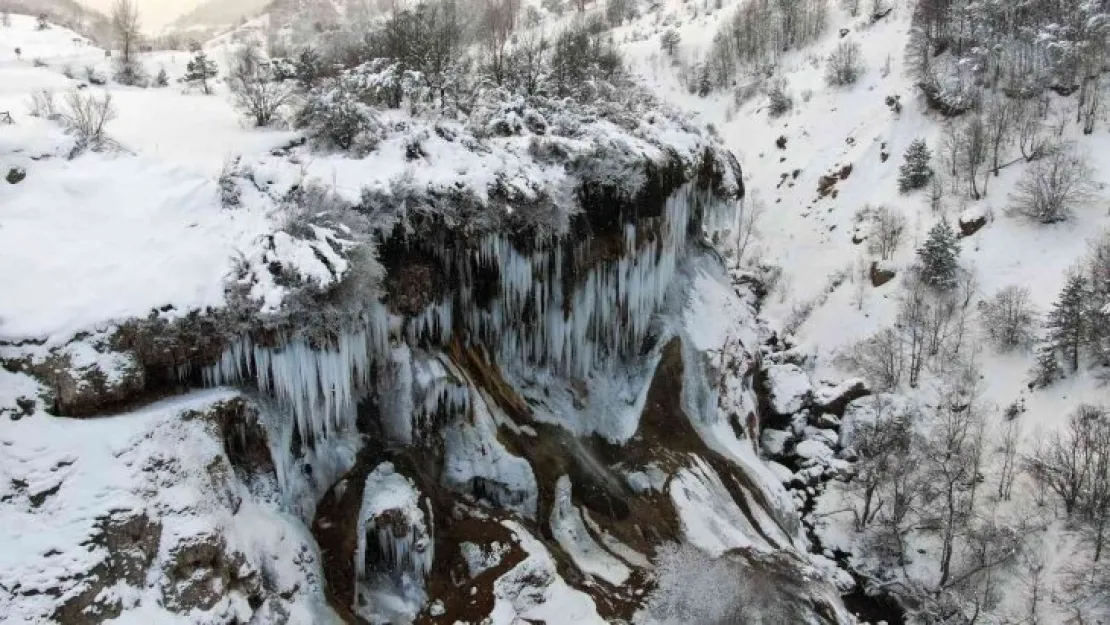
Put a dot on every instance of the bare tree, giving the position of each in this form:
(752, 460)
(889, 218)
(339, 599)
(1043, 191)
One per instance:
(1090, 102)
(252, 88)
(1052, 187)
(953, 451)
(1031, 132)
(974, 149)
(886, 232)
(1065, 462)
(126, 29)
(1001, 118)
(498, 18)
(881, 359)
(1009, 318)
(844, 65)
(751, 209)
(882, 446)
(1007, 471)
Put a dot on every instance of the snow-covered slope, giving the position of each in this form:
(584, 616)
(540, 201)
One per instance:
(815, 231)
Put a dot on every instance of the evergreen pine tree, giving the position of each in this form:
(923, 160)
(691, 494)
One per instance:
(669, 41)
(1067, 322)
(309, 68)
(939, 264)
(201, 70)
(162, 79)
(1047, 370)
(915, 172)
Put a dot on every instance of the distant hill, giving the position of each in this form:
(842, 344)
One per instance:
(216, 16)
(67, 13)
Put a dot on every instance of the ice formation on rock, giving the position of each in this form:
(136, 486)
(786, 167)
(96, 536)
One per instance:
(395, 548)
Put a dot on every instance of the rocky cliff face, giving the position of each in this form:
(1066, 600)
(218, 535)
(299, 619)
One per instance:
(520, 429)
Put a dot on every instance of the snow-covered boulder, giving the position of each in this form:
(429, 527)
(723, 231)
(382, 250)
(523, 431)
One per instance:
(972, 220)
(815, 451)
(821, 435)
(788, 388)
(833, 397)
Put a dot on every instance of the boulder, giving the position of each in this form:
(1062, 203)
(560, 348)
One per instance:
(971, 222)
(881, 275)
(834, 398)
(788, 389)
(775, 441)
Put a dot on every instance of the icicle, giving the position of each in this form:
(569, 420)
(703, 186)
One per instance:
(321, 387)
(392, 521)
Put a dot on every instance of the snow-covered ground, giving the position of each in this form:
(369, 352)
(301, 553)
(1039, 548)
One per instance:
(115, 234)
(113, 500)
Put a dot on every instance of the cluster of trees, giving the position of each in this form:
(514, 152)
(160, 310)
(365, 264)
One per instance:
(757, 35)
(1020, 48)
(436, 56)
(919, 494)
(931, 330)
(929, 482)
(1074, 466)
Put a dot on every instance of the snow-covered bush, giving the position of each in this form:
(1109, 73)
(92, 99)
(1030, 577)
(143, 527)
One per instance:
(780, 99)
(254, 89)
(1009, 318)
(1053, 187)
(844, 65)
(334, 117)
(86, 115)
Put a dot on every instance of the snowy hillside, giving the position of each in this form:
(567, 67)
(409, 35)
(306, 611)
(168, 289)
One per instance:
(818, 174)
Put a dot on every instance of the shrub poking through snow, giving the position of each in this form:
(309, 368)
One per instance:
(162, 79)
(86, 116)
(780, 100)
(844, 65)
(939, 257)
(915, 172)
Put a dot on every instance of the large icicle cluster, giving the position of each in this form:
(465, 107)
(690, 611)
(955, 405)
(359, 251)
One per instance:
(320, 385)
(605, 314)
(564, 308)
